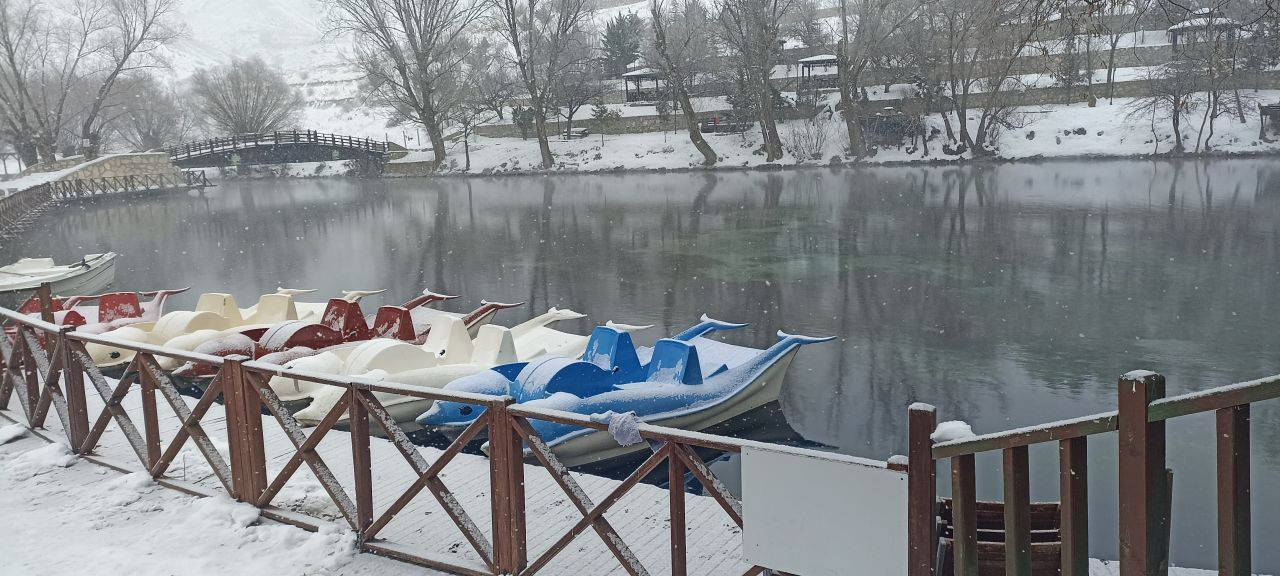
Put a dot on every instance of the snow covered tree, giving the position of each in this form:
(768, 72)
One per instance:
(153, 116)
(411, 51)
(867, 28)
(133, 34)
(683, 49)
(621, 42)
(604, 118)
(751, 29)
(542, 36)
(245, 97)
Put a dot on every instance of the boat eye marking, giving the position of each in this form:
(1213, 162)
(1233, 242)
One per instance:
(465, 410)
(115, 355)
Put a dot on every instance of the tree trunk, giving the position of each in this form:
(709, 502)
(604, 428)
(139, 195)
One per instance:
(540, 127)
(848, 102)
(676, 80)
(772, 142)
(466, 149)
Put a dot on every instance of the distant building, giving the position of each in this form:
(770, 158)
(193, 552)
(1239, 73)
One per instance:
(1203, 29)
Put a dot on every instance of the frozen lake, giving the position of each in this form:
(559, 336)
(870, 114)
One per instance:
(1007, 295)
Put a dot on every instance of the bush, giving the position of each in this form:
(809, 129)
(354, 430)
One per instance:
(807, 139)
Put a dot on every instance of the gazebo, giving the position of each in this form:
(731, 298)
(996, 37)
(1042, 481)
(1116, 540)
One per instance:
(1205, 27)
(825, 65)
(638, 78)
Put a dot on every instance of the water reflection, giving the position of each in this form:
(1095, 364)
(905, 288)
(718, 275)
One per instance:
(1006, 295)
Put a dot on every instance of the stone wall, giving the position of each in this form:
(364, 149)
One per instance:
(55, 166)
(145, 163)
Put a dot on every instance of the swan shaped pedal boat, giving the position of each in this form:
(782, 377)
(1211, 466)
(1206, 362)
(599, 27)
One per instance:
(92, 273)
(342, 323)
(214, 311)
(689, 383)
(448, 354)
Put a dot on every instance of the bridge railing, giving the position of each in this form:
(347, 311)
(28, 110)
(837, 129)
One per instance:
(79, 188)
(244, 141)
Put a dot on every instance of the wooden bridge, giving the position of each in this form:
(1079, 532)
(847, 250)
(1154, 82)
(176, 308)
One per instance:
(278, 148)
(20, 209)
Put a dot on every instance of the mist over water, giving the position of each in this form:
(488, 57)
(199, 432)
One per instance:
(1006, 295)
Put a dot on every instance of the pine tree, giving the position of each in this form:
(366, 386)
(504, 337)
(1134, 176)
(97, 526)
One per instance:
(621, 42)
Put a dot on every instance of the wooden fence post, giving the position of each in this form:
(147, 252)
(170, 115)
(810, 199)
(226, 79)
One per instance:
(45, 294)
(1142, 474)
(77, 406)
(922, 490)
(361, 461)
(244, 432)
(1234, 536)
(506, 477)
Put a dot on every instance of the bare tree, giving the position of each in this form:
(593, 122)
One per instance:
(866, 28)
(490, 85)
(409, 50)
(579, 83)
(683, 49)
(134, 32)
(541, 36)
(153, 114)
(1172, 93)
(245, 97)
(45, 51)
(751, 29)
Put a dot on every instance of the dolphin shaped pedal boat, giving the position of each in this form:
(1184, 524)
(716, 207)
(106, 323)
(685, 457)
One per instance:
(689, 383)
(448, 354)
(213, 312)
(102, 312)
(342, 323)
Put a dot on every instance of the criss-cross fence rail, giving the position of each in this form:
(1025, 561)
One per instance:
(48, 367)
(293, 137)
(83, 187)
(1145, 485)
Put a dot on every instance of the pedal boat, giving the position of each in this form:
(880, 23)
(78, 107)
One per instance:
(448, 354)
(343, 324)
(688, 383)
(214, 311)
(91, 274)
(107, 311)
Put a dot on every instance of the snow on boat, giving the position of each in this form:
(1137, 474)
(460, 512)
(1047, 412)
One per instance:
(91, 274)
(689, 382)
(214, 311)
(448, 354)
(342, 323)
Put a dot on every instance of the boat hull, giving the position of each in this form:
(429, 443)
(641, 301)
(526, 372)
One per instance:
(92, 281)
(596, 445)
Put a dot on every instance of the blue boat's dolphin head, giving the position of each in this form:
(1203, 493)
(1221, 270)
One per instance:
(494, 382)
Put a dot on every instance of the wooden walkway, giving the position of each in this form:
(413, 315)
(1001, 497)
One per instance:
(641, 517)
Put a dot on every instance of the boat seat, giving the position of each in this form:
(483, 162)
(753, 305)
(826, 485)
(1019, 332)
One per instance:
(449, 340)
(613, 349)
(32, 305)
(344, 318)
(675, 361)
(30, 265)
(221, 304)
(494, 345)
(273, 308)
(118, 305)
(394, 322)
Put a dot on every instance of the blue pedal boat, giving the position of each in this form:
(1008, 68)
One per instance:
(687, 381)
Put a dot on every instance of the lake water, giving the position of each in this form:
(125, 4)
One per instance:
(1006, 295)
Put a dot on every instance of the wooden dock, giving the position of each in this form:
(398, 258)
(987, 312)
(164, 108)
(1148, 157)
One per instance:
(641, 517)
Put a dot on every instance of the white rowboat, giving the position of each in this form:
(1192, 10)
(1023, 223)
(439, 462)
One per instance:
(90, 275)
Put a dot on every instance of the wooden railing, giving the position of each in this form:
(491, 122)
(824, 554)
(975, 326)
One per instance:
(83, 187)
(19, 208)
(243, 141)
(46, 366)
(1145, 485)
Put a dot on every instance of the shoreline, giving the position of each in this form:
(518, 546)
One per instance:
(764, 167)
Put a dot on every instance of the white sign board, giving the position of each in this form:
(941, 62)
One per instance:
(811, 514)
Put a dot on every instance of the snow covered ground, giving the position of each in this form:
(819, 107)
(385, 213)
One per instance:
(103, 522)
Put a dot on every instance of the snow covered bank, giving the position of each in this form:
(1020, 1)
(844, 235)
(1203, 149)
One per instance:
(103, 522)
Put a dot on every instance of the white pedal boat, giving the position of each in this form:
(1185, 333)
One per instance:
(448, 354)
(91, 274)
(214, 311)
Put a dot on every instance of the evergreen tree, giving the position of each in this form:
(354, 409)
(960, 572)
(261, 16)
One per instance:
(621, 42)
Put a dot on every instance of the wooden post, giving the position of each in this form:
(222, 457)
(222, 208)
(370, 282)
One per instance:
(1234, 549)
(73, 379)
(45, 294)
(964, 514)
(1017, 512)
(675, 487)
(361, 461)
(244, 432)
(1073, 486)
(1142, 474)
(506, 477)
(922, 490)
